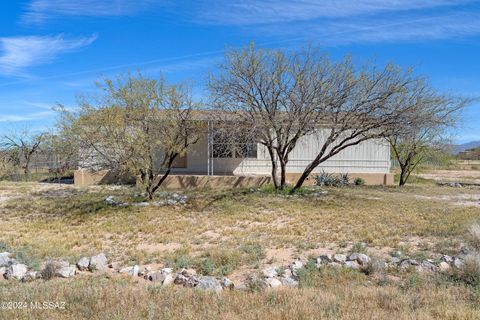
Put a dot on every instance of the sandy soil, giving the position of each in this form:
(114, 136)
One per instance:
(471, 176)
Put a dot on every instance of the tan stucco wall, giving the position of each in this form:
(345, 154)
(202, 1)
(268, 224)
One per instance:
(86, 178)
(371, 179)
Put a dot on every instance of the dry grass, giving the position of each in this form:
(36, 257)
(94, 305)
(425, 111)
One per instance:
(106, 298)
(234, 232)
(46, 221)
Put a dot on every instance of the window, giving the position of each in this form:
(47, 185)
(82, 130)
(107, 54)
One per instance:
(239, 148)
(222, 150)
(246, 150)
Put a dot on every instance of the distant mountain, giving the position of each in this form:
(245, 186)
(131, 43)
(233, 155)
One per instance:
(465, 146)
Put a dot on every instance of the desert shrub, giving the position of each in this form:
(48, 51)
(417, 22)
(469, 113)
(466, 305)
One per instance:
(179, 259)
(219, 262)
(332, 180)
(359, 182)
(207, 266)
(253, 252)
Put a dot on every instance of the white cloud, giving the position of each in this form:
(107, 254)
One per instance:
(396, 28)
(26, 117)
(41, 10)
(254, 12)
(18, 53)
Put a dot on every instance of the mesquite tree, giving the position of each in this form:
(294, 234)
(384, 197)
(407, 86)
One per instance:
(138, 126)
(426, 127)
(272, 96)
(283, 96)
(23, 145)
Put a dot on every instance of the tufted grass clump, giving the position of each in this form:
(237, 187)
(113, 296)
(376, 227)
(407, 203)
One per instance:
(474, 236)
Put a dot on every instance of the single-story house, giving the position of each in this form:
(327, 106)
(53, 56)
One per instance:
(214, 163)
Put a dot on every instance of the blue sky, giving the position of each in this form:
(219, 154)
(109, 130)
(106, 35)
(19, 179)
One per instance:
(53, 50)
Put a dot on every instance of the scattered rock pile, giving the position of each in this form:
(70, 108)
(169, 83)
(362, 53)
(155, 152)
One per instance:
(272, 277)
(170, 199)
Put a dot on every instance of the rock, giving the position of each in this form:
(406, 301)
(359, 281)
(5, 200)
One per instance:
(273, 283)
(163, 278)
(98, 262)
(443, 266)
(297, 264)
(289, 282)
(132, 271)
(169, 280)
(447, 259)
(407, 263)
(111, 201)
(324, 259)
(188, 272)
(141, 204)
(83, 263)
(30, 276)
(5, 259)
(428, 266)
(185, 281)
(352, 265)
(270, 272)
(157, 276)
(339, 258)
(287, 273)
(458, 262)
(66, 271)
(115, 266)
(361, 258)
(144, 271)
(208, 283)
(167, 270)
(395, 260)
(180, 279)
(15, 271)
(227, 284)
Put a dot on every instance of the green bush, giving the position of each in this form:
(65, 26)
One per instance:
(359, 182)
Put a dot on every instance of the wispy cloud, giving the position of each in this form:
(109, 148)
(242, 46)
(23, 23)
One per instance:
(42, 10)
(254, 12)
(19, 53)
(26, 117)
(386, 29)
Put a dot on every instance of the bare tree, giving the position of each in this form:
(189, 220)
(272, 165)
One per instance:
(426, 125)
(274, 96)
(60, 148)
(284, 96)
(137, 126)
(24, 144)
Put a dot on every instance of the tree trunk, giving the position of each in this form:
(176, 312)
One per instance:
(283, 172)
(274, 168)
(403, 176)
(26, 167)
(305, 175)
